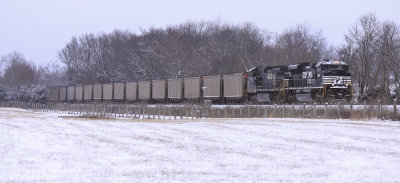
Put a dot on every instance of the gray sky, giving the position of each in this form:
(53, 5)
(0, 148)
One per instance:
(40, 28)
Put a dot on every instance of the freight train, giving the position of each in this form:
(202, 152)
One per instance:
(322, 81)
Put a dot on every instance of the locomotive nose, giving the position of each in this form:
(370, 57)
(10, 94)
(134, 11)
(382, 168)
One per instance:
(340, 95)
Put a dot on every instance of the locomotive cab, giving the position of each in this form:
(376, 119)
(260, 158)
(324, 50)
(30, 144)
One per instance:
(254, 79)
(335, 77)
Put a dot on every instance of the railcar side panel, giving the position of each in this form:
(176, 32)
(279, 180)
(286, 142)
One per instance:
(131, 90)
(212, 86)
(119, 89)
(63, 93)
(70, 93)
(233, 85)
(78, 92)
(144, 90)
(97, 91)
(192, 87)
(175, 88)
(158, 89)
(107, 91)
(87, 92)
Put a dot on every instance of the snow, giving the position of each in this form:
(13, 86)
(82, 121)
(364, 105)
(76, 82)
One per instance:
(48, 147)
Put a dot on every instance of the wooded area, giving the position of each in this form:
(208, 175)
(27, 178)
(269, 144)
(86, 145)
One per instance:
(190, 49)
(370, 47)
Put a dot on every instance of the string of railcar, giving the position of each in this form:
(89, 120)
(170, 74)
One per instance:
(305, 82)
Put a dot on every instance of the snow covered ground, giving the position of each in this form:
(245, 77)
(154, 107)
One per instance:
(45, 147)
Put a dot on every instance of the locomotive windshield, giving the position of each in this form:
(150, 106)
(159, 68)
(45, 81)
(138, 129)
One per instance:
(331, 67)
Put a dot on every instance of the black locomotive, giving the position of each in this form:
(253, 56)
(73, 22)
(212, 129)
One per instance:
(315, 81)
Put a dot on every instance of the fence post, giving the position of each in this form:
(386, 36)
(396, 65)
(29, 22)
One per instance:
(240, 112)
(206, 107)
(126, 111)
(258, 110)
(233, 112)
(283, 110)
(169, 112)
(164, 112)
(379, 109)
(292, 110)
(326, 110)
(394, 109)
(196, 112)
(104, 110)
(148, 112)
(158, 112)
(181, 112)
(158, 109)
(189, 112)
(351, 110)
(135, 111)
(154, 111)
(139, 111)
(120, 110)
(201, 112)
(339, 114)
(143, 111)
(248, 111)
(365, 110)
(304, 111)
(274, 110)
(225, 112)
(175, 113)
(315, 110)
(265, 111)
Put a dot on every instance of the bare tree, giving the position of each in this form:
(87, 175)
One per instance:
(360, 51)
(18, 71)
(51, 74)
(299, 45)
(388, 51)
(189, 49)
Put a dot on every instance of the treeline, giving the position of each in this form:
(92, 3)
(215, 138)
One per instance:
(189, 49)
(22, 80)
(372, 49)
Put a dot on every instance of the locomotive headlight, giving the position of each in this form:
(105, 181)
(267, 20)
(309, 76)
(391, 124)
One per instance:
(347, 85)
(333, 84)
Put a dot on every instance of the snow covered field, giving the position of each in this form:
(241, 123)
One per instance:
(44, 147)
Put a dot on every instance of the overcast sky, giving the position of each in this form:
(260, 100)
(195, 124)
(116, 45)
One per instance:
(40, 28)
